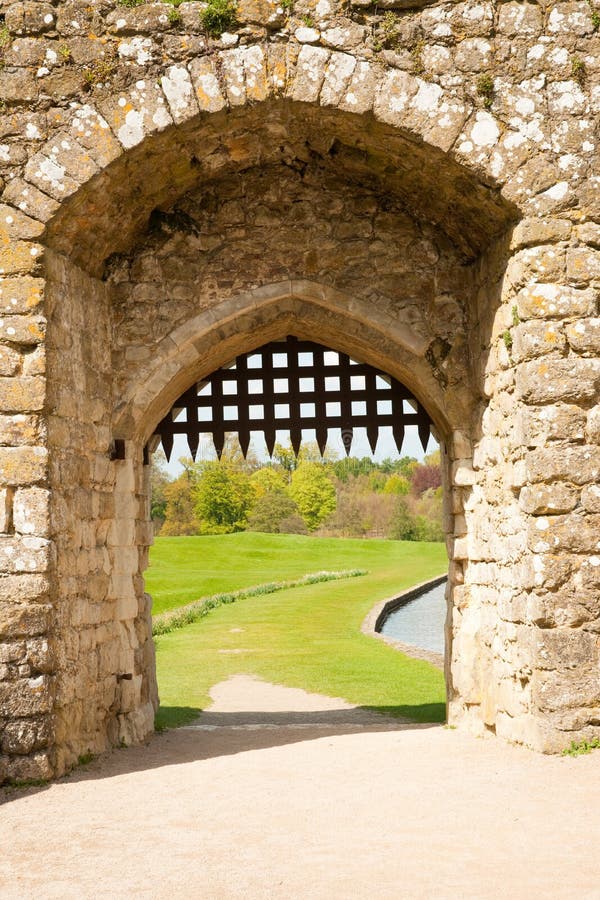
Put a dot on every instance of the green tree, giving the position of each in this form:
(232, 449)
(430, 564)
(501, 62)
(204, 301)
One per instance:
(159, 479)
(313, 492)
(403, 526)
(397, 484)
(270, 510)
(180, 516)
(268, 480)
(222, 497)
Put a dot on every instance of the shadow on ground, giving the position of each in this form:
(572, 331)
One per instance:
(212, 734)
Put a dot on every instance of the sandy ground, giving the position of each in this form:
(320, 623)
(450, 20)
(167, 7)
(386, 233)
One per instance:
(276, 793)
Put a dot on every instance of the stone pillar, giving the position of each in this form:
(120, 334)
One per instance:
(525, 658)
(27, 661)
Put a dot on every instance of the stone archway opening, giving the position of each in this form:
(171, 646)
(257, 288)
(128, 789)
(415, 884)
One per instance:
(289, 390)
(289, 222)
(223, 232)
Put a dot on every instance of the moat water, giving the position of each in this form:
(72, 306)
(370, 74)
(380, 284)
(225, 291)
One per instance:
(420, 622)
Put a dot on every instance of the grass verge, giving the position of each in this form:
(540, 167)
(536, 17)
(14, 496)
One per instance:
(307, 637)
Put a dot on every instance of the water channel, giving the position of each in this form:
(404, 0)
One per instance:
(420, 622)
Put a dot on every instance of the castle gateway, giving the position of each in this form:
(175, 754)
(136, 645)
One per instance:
(415, 185)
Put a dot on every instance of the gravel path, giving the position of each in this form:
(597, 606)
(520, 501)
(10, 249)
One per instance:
(276, 793)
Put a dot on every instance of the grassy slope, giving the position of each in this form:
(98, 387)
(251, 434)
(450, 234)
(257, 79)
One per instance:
(306, 637)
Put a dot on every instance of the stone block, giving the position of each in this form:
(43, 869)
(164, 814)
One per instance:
(30, 200)
(532, 231)
(10, 360)
(31, 17)
(20, 295)
(548, 499)
(24, 620)
(555, 301)
(549, 380)
(18, 86)
(206, 85)
(15, 224)
(559, 422)
(179, 91)
(360, 95)
(25, 330)
(255, 69)
(24, 736)
(26, 697)
(22, 465)
(147, 18)
(337, 77)
(20, 258)
(31, 511)
(310, 73)
(50, 177)
(20, 429)
(579, 465)
(584, 336)
(24, 554)
(35, 767)
(590, 498)
(23, 587)
(589, 233)
(137, 112)
(536, 338)
(268, 13)
(593, 425)
(575, 533)
(583, 264)
(568, 689)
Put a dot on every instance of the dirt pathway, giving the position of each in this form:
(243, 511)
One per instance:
(276, 793)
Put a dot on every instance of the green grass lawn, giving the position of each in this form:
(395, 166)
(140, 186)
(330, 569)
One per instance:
(306, 637)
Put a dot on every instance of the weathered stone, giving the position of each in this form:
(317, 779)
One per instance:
(20, 295)
(550, 301)
(20, 429)
(21, 394)
(30, 200)
(560, 533)
(30, 17)
(539, 231)
(548, 499)
(24, 621)
(534, 338)
(22, 465)
(206, 85)
(310, 72)
(584, 336)
(28, 697)
(19, 258)
(558, 380)
(583, 264)
(24, 736)
(10, 360)
(22, 329)
(178, 89)
(261, 12)
(25, 587)
(590, 498)
(580, 465)
(31, 511)
(593, 425)
(559, 422)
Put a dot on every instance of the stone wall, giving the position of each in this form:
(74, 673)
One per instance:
(416, 186)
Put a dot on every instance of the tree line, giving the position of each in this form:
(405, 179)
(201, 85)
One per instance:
(399, 499)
